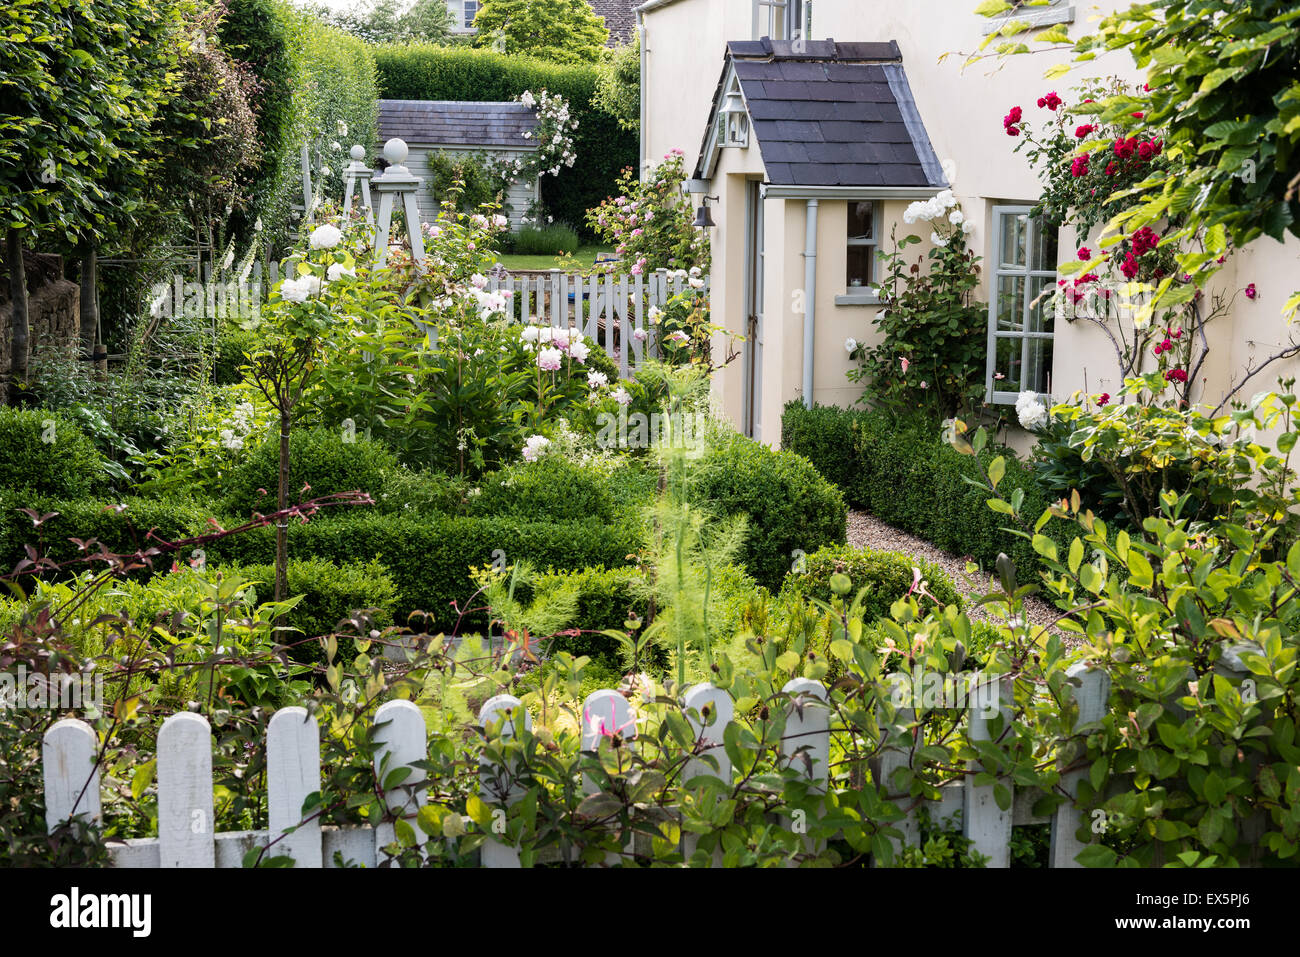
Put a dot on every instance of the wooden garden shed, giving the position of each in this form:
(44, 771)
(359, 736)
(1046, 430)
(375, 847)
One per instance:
(503, 130)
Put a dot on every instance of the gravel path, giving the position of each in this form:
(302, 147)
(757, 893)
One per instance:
(866, 531)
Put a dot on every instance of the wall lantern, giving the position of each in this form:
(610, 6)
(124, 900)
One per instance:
(735, 121)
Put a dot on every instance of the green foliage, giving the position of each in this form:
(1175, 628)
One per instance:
(788, 505)
(931, 354)
(45, 453)
(321, 462)
(554, 488)
(85, 84)
(329, 593)
(553, 240)
(604, 599)
(425, 72)
(1221, 85)
(563, 31)
(384, 21)
(888, 576)
(904, 473)
(618, 89)
(430, 555)
(464, 179)
(649, 221)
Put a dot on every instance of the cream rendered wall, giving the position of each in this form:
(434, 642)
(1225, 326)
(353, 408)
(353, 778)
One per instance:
(962, 110)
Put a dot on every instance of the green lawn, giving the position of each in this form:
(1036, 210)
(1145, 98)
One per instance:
(586, 255)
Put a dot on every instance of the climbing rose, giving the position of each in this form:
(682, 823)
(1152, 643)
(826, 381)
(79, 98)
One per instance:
(1103, 398)
(1010, 120)
(1081, 131)
(1051, 101)
(1176, 375)
(1084, 254)
(1080, 166)
(1250, 292)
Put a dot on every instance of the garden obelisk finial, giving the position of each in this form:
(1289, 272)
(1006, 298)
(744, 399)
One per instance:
(358, 173)
(397, 184)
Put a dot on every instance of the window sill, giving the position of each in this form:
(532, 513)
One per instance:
(858, 299)
(1034, 18)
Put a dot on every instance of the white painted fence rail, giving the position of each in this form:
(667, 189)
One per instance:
(607, 309)
(185, 797)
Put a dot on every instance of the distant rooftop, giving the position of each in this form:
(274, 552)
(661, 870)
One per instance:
(456, 123)
(620, 18)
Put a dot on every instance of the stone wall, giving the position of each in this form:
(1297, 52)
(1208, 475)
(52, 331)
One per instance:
(53, 308)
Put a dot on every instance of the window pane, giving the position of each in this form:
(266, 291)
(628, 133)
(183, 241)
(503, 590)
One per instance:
(860, 271)
(1038, 377)
(1011, 304)
(861, 220)
(1014, 227)
(1045, 236)
(1042, 314)
(1007, 365)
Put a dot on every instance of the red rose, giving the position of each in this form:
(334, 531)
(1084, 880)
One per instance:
(1080, 166)
(1176, 375)
(1250, 291)
(1138, 116)
(1084, 254)
(1146, 151)
(1130, 266)
(1103, 398)
(1051, 101)
(1081, 131)
(1110, 169)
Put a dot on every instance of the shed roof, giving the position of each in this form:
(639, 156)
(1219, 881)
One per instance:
(470, 124)
(832, 114)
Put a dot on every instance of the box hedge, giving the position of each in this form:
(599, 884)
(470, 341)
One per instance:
(46, 453)
(888, 575)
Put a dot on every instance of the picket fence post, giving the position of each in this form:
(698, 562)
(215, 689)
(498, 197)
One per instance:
(497, 783)
(891, 758)
(984, 824)
(71, 773)
(722, 710)
(292, 773)
(185, 811)
(806, 744)
(400, 736)
(1092, 695)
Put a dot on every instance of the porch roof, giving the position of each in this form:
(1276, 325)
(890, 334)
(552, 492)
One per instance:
(832, 114)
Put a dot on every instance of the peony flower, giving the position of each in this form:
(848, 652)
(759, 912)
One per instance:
(655, 315)
(549, 359)
(621, 396)
(639, 335)
(597, 380)
(534, 446)
(579, 350)
(1031, 412)
(325, 237)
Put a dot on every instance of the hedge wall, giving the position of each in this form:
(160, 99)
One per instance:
(905, 474)
(428, 72)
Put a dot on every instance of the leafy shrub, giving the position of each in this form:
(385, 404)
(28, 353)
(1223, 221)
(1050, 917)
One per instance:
(606, 599)
(429, 72)
(904, 473)
(430, 556)
(407, 490)
(330, 593)
(45, 453)
(321, 458)
(464, 177)
(553, 488)
(888, 575)
(668, 240)
(790, 507)
(121, 525)
(545, 240)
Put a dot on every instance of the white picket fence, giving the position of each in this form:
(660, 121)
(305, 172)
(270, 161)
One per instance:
(186, 836)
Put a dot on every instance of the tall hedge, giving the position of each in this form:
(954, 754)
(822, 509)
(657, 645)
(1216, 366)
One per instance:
(427, 72)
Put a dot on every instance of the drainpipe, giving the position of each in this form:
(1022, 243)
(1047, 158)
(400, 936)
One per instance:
(640, 16)
(809, 300)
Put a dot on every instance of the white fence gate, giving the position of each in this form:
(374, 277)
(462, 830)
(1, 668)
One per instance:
(186, 835)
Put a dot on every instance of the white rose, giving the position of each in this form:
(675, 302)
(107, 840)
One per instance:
(338, 271)
(325, 237)
(956, 217)
(850, 344)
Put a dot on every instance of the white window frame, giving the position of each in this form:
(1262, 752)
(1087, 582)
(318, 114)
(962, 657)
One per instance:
(1026, 272)
(466, 20)
(877, 220)
(782, 19)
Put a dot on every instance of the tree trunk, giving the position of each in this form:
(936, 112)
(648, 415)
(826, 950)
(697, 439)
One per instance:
(18, 318)
(282, 524)
(89, 300)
